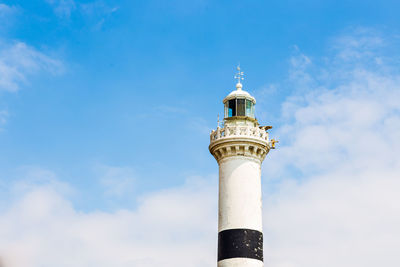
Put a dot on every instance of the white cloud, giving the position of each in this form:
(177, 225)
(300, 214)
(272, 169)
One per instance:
(336, 219)
(361, 44)
(173, 227)
(342, 140)
(18, 61)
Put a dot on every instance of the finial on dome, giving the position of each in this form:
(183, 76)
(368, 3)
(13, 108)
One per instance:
(239, 77)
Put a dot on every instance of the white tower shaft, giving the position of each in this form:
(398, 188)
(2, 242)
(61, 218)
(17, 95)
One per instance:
(240, 213)
(239, 194)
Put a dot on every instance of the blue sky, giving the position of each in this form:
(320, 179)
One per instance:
(106, 108)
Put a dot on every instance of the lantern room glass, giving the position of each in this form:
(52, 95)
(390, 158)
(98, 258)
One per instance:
(240, 104)
(232, 108)
(239, 107)
(249, 108)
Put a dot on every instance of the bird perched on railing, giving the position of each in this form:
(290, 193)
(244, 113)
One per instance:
(266, 128)
(273, 142)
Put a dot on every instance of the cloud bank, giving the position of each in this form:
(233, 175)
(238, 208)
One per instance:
(173, 227)
(337, 202)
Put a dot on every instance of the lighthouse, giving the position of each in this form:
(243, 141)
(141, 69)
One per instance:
(240, 146)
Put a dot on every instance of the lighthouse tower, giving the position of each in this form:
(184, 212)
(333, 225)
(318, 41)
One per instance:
(239, 147)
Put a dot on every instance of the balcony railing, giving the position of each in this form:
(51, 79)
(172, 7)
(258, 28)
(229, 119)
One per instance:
(240, 131)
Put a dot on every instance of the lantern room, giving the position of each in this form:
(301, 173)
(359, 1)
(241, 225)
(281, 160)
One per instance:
(239, 103)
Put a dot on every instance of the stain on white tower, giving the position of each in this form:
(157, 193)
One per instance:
(240, 147)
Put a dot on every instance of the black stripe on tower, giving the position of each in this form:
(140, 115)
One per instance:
(240, 243)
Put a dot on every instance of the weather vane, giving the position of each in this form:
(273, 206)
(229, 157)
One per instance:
(239, 74)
